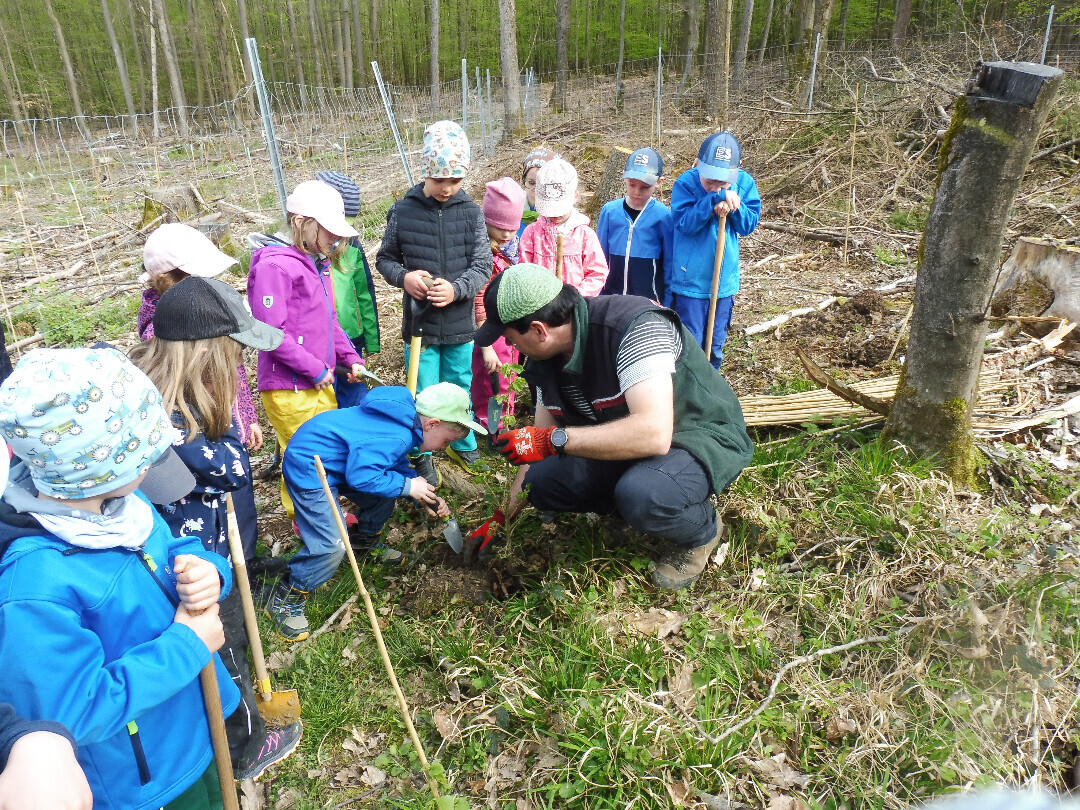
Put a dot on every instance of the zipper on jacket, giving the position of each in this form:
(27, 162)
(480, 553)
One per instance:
(442, 247)
(629, 239)
(140, 754)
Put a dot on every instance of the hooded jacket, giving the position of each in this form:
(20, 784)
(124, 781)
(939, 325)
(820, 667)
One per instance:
(354, 297)
(364, 447)
(638, 250)
(87, 639)
(287, 291)
(696, 234)
(450, 241)
(584, 265)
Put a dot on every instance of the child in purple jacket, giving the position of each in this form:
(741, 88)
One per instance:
(289, 287)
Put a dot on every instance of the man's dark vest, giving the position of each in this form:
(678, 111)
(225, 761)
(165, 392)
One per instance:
(441, 240)
(708, 419)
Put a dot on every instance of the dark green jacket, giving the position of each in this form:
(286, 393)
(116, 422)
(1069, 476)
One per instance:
(354, 297)
(708, 418)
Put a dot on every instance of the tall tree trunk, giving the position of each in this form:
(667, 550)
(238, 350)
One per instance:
(358, 38)
(373, 20)
(154, 105)
(513, 120)
(121, 65)
(900, 24)
(844, 6)
(765, 33)
(691, 33)
(346, 36)
(744, 43)
(618, 66)
(172, 66)
(195, 40)
(588, 34)
(316, 46)
(339, 44)
(244, 36)
(433, 48)
(562, 54)
(820, 27)
(717, 58)
(983, 157)
(227, 49)
(298, 61)
(69, 71)
(12, 86)
(135, 23)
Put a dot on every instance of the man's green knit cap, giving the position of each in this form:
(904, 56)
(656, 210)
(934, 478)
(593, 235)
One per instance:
(518, 291)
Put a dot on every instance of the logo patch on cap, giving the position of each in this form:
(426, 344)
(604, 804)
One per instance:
(641, 159)
(722, 153)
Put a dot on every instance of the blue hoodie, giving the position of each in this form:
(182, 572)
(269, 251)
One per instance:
(87, 638)
(645, 240)
(696, 234)
(364, 447)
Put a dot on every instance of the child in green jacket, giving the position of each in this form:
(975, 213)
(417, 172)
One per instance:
(354, 292)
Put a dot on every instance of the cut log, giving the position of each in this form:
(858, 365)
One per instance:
(611, 183)
(808, 233)
(779, 320)
(1041, 277)
(175, 203)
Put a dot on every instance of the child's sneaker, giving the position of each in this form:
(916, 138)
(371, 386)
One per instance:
(425, 468)
(285, 606)
(468, 460)
(367, 543)
(278, 744)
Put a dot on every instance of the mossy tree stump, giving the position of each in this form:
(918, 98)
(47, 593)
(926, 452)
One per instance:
(982, 160)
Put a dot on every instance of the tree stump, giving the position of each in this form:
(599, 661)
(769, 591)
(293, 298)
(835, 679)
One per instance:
(611, 183)
(173, 203)
(1040, 277)
(982, 161)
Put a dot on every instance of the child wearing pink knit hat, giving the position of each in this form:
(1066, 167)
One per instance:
(504, 201)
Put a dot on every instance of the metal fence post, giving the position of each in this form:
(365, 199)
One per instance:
(480, 106)
(491, 115)
(1046, 36)
(268, 123)
(393, 122)
(659, 87)
(813, 74)
(464, 96)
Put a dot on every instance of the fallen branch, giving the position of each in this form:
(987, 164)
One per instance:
(1054, 149)
(807, 233)
(822, 378)
(1003, 427)
(805, 659)
(780, 320)
(286, 659)
(59, 274)
(244, 213)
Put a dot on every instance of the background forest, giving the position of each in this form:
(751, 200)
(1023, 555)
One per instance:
(72, 57)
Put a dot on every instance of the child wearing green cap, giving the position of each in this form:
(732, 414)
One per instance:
(365, 452)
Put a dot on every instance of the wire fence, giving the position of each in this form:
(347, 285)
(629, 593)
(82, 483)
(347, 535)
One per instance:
(74, 202)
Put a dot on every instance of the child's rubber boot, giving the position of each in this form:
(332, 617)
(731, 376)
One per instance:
(286, 607)
(372, 544)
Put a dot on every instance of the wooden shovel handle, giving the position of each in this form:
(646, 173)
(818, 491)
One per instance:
(718, 263)
(559, 257)
(240, 575)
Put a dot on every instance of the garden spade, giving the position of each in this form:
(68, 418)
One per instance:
(280, 708)
(452, 532)
(494, 413)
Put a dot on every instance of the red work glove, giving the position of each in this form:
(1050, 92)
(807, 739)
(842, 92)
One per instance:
(525, 445)
(478, 546)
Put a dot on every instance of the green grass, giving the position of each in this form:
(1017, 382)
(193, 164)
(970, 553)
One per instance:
(561, 696)
(55, 315)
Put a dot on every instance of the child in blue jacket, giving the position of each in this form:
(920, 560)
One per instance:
(365, 452)
(715, 187)
(635, 232)
(106, 619)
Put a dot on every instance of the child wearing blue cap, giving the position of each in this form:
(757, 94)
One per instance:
(713, 189)
(635, 232)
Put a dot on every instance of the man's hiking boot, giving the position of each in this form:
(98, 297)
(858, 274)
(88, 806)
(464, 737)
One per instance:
(425, 467)
(680, 567)
(469, 460)
(277, 745)
(285, 606)
(372, 544)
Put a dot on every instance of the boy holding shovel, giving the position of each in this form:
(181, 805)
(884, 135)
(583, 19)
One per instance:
(365, 451)
(714, 194)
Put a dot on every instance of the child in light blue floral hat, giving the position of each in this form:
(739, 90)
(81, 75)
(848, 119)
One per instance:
(106, 618)
(436, 249)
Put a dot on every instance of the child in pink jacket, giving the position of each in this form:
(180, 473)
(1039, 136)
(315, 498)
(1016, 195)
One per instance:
(504, 201)
(583, 264)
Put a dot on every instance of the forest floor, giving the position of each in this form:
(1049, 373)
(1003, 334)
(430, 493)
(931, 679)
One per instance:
(867, 635)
